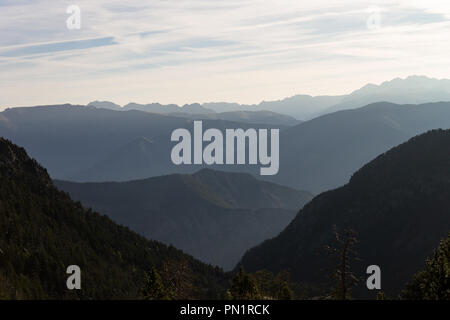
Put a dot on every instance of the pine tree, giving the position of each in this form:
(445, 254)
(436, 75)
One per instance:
(153, 287)
(274, 287)
(284, 292)
(244, 287)
(282, 289)
(265, 280)
(433, 283)
(345, 278)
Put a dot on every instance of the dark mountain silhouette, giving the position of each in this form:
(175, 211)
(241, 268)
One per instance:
(215, 216)
(398, 204)
(43, 232)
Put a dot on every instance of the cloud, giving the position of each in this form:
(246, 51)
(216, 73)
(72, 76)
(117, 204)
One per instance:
(203, 50)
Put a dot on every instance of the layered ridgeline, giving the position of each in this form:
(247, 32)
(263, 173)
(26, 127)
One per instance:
(215, 216)
(88, 144)
(411, 90)
(43, 232)
(80, 143)
(398, 204)
(292, 109)
(197, 112)
(323, 153)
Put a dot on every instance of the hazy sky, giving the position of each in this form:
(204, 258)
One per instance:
(184, 51)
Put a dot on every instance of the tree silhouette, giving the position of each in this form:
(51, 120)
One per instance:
(433, 283)
(244, 287)
(274, 287)
(346, 255)
(282, 289)
(153, 287)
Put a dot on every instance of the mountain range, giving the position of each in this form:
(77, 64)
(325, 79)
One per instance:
(215, 216)
(410, 90)
(398, 206)
(86, 144)
(197, 112)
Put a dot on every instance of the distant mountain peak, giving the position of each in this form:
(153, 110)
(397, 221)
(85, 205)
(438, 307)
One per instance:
(105, 105)
(414, 89)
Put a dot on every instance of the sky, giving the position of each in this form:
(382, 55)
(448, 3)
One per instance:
(186, 51)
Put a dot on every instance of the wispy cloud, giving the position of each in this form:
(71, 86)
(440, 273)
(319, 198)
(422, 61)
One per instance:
(29, 50)
(202, 50)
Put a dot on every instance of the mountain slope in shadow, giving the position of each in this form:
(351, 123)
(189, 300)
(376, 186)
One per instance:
(43, 232)
(398, 204)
